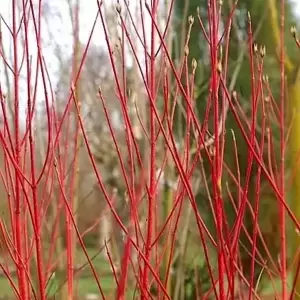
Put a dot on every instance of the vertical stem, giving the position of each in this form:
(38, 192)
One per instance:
(257, 184)
(74, 188)
(167, 208)
(282, 157)
(36, 208)
(294, 148)
(287, 66)
(18, 219)
(216, 160)
(152, 187)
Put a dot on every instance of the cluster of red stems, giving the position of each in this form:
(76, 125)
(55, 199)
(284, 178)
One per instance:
(29, 183)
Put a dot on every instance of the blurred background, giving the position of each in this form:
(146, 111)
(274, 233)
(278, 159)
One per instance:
(66, 28)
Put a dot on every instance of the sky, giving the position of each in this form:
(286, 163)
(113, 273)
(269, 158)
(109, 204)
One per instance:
(61, 26)
(61, 30)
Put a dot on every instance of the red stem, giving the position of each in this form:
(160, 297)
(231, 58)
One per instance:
(152, 168)
(216, 171)
(18, 218)
(282, 211)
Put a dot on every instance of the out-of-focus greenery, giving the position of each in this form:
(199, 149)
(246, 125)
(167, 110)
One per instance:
(86, 283)
(264, 34)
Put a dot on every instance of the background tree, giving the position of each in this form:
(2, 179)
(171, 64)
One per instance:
(265, 24)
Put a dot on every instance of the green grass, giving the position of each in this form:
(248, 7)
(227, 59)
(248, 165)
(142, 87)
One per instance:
(86, 281)
(89, 285)
(5, 288)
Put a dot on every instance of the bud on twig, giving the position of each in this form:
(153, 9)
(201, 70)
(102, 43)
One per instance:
(262, 51)
(191, 20)
(118, 8)
(255, 49)
(212, 150)
(186, 50)
(219, 67)
(194, 64)
(294, 32)
(234, 97)
(249, 17)
(265, 78)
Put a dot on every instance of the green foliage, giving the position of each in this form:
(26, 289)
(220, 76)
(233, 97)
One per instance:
(263, 35)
